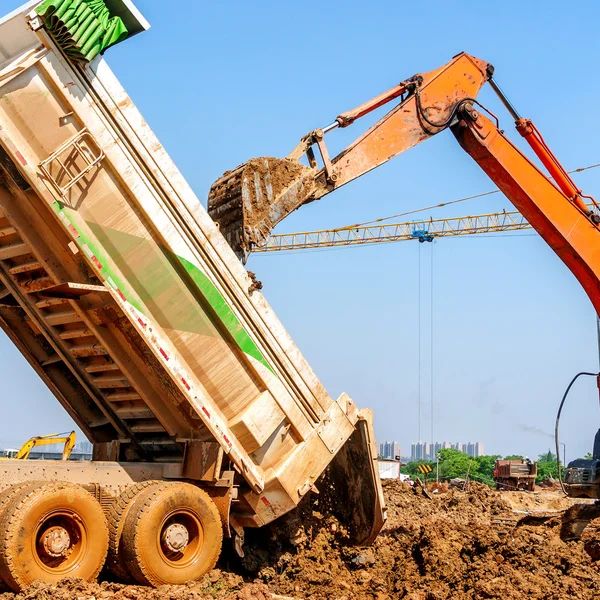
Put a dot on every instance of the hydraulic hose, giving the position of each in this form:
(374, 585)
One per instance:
(560, 479)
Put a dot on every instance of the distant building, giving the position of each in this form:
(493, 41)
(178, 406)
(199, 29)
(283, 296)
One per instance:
(427, 451)
(389, 450)
(440, 446)
(84, 447)
(420, 451)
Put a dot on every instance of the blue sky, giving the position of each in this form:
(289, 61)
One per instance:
(224, 82)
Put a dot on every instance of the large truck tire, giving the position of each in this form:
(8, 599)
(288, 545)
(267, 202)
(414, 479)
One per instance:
(49, 532)
(5, 497)
(172, 534)
(116, 520)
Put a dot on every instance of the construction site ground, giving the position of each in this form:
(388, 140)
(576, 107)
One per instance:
(448, 544)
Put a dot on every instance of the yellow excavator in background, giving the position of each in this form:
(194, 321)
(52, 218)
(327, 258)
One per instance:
(43, 440)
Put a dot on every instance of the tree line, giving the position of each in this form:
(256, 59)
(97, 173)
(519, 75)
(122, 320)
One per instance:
(456, 464)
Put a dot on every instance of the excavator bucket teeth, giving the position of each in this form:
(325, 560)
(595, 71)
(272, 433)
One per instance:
(249, 201)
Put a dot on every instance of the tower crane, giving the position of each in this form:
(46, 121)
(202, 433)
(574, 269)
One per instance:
(425, 230)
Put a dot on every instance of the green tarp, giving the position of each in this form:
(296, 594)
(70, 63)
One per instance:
(82, 28)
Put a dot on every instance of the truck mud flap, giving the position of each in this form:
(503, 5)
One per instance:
(356, 494)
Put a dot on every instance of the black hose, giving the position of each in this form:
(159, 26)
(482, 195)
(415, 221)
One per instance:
(442, 125)
(560, 479)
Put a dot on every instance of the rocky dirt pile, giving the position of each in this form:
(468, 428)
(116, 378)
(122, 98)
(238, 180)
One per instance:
(453, 545)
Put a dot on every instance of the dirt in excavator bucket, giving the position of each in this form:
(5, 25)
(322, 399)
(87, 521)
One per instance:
(249, 201)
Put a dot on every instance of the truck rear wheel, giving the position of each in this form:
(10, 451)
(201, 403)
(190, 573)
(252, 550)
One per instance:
(172, 534)
(116, 520)
(50, 532)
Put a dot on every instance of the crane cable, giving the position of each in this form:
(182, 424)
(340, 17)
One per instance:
(418, 210)
(431, 346)
(419, 346)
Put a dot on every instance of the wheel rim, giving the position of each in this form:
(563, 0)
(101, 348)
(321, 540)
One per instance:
(180, 538)
(60, 542)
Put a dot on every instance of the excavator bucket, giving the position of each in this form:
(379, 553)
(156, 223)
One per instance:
(249, 201)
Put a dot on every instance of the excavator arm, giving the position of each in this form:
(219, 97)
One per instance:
(48, 440)
(249, 201)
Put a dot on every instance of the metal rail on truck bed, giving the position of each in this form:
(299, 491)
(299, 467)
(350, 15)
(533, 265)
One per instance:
(129, 304)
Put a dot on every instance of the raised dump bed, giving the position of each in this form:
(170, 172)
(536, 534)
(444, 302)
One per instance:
(126, 300)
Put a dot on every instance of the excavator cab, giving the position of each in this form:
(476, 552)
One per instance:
(582, 476)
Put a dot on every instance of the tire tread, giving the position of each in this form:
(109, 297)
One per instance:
(131, 546)
(115, 517)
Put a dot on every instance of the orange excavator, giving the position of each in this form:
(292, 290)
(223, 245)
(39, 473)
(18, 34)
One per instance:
(249, 201)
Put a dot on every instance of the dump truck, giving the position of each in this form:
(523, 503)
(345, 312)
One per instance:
(513, 475)
(129, 304)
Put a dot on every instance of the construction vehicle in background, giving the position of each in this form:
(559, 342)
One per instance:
(582, 477)
(249, 201)
(68, 439)
(125, 299)
(515, 475)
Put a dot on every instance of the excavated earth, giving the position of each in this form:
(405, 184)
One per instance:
(451, 545)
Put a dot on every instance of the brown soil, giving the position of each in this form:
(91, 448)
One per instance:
(455, 545)
(541, 500)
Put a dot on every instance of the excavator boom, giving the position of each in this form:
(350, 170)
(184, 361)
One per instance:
(567, 226)
(249, 201)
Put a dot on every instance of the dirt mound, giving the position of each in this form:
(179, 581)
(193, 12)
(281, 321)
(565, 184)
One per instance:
(447, 545)
(453, 545)
(591, 539)
(541, 499)
(215, 585)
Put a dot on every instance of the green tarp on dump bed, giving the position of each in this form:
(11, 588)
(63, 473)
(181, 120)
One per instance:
(82, 28)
